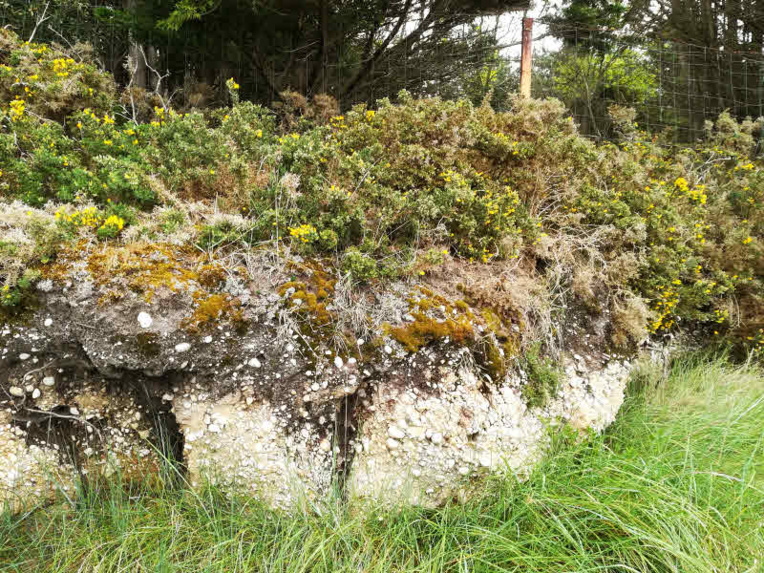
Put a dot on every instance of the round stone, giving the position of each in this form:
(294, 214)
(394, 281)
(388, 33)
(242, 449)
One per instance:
(392, 444)
(396, 432)
(145, 320)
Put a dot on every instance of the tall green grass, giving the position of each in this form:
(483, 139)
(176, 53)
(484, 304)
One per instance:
(675, 485)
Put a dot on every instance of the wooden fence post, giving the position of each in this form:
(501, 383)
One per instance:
(526, 58)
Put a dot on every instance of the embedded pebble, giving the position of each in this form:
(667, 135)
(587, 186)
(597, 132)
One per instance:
(182, 347)
(16, 391)
(48, 322)
(254, 363)
(396, 432)
(48, 381)
(145, 320)
(338, 362)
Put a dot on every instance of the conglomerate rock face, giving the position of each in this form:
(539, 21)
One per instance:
(101, 378)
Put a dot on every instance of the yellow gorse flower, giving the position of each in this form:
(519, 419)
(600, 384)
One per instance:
(304, 233)
(17, 108)
(113, 223)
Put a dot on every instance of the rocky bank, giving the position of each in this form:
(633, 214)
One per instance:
(258, 376)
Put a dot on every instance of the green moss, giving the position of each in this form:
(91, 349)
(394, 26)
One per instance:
(543, 377)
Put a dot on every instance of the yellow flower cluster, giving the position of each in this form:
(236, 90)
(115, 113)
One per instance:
(87, 217)
(305, 233)
(668, 301)
(231, 84)
(113, 223)
(682, 185)
(38, 50)
(697, 194)
(17, 108)
(61, 66)
(370, 115)
(338, 122)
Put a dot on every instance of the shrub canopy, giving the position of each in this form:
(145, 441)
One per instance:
(658, 236)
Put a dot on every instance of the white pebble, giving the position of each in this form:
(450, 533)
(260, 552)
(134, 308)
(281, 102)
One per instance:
(388, 350)
(24, 356)
(16, 391)
(396, 432)
(48, 322)
(36, 393)
(392, 444)
(254, 363)
(182, 347)
(338, 362)
(48, 381)
(145, 320)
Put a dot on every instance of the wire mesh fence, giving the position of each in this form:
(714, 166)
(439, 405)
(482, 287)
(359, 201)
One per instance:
(675, 87)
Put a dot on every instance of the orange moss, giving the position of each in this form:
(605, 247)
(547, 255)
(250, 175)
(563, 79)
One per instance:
(212, 309)
(313, 294)
(296, 285)
(425, 330)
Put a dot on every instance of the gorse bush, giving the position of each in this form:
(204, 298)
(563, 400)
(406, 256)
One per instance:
(658, 236)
